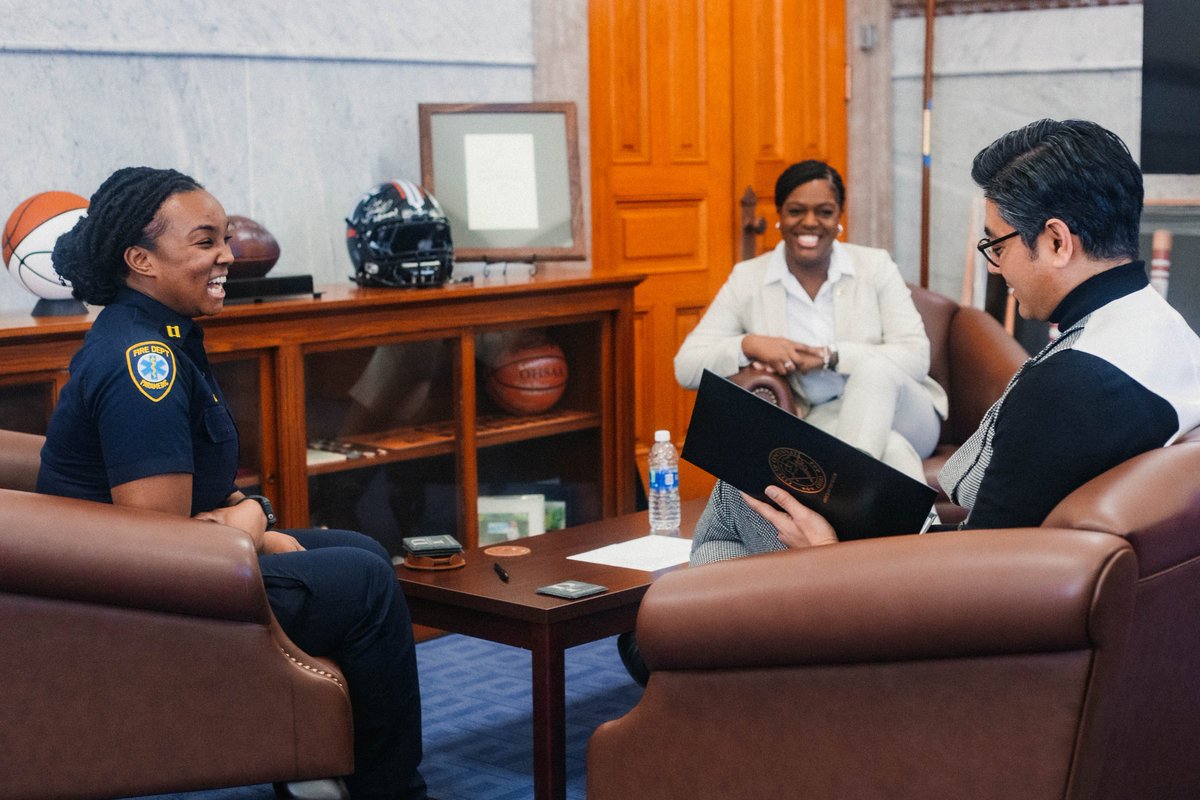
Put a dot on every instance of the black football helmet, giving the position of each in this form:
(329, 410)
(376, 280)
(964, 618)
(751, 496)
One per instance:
(398, 235)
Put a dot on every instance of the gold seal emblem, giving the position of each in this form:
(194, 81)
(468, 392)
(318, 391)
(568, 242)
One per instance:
(797, 470)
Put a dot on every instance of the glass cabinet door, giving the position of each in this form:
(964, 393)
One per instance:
(381, 440)
(538, 429)
(241, 380)
(26, 401)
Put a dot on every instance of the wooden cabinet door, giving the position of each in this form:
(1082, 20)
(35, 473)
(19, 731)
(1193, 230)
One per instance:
(691, 101)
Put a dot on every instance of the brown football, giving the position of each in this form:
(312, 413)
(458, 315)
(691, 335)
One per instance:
(255, 250)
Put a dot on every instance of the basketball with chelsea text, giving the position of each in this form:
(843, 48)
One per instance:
(528, 375)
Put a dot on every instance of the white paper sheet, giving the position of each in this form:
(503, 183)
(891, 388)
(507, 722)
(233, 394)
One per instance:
(649, 553)
(501, 181)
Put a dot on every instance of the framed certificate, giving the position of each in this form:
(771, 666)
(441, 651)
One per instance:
(507, 176)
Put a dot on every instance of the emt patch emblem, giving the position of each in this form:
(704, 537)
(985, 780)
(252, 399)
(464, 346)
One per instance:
(152, 368)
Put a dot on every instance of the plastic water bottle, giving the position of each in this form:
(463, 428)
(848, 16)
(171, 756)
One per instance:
(664, 485)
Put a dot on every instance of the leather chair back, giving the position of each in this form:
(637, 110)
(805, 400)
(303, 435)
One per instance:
(937, 312)
(971, 356)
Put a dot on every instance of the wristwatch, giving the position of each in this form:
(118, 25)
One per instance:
(268, 511)
(829, 357)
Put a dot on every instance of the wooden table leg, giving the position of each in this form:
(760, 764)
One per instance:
(549, 717)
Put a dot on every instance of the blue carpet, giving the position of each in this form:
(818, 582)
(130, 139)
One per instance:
(478, 727)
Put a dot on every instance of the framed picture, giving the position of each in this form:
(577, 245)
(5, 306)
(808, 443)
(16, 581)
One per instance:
(562, 498)
(507, 176)
(503, 518)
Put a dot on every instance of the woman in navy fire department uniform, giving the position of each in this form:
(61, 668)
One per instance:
(143, 423)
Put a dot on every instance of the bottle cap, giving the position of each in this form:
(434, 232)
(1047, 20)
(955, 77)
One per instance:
(662, 436)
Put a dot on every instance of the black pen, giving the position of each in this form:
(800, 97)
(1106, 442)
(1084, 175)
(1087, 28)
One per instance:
(500, 571)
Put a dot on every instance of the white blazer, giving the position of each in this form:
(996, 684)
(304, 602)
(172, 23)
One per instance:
(872, 308)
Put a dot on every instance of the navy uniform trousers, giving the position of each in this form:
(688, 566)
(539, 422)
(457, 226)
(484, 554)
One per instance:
(339, 599)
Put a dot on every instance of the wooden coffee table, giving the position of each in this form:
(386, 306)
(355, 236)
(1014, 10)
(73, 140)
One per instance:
(474, 601)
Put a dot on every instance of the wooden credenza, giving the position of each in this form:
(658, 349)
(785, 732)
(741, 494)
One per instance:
(365, 408)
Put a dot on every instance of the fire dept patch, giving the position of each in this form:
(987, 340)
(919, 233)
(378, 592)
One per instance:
(152, 368)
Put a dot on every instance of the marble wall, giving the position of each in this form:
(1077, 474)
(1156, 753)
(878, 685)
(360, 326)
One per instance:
(287, 112)
(995, 72)
(289, 116)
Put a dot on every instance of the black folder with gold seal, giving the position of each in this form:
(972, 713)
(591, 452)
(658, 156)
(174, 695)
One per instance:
(751, 443)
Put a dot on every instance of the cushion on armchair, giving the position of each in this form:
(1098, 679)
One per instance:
(767, 385)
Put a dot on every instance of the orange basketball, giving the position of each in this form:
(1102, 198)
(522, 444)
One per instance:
(528, 377)
(29, 237)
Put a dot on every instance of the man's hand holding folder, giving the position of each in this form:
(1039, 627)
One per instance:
(798, 525)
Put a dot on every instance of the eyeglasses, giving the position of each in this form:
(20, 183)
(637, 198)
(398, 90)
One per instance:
(986, 245)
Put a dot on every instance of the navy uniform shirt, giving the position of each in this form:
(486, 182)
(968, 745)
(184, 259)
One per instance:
(141, 401)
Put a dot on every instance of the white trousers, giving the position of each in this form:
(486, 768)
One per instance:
(883, 412)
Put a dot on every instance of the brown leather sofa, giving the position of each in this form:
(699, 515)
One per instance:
(971, 356)
(138, 655)
(1051, 662)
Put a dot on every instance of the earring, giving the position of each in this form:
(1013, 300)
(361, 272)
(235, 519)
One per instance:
(776, 226)
(840, 229)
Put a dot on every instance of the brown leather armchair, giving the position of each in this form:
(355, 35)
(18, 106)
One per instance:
(1051, 662)
(971, 356)
(139, 655)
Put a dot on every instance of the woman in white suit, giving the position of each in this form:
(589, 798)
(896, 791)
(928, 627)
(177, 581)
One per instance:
(836, 319)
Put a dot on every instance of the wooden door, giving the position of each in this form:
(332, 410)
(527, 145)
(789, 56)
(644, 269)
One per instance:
(691, 101)
(789, 102)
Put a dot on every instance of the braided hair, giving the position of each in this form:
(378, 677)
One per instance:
(120, 215)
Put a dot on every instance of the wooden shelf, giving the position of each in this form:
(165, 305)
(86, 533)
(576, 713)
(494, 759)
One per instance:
(437, 439)
(495, 429)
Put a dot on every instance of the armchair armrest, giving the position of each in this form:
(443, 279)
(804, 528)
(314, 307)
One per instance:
(946, 595)
(1144, 500)
(90, 552)
(766, 385)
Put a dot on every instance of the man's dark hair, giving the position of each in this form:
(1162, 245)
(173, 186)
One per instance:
(803, 172)
(1074, 170)
(92, 254)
